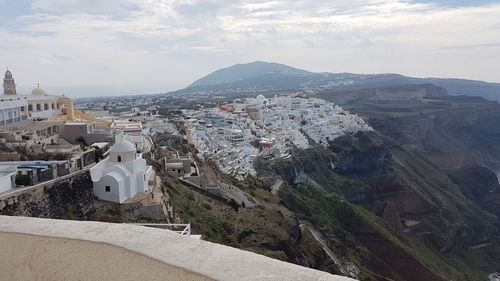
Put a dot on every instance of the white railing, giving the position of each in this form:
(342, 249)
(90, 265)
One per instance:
(179, 228)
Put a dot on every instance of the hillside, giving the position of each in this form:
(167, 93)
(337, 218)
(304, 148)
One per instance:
(262, 76)
(241, 72)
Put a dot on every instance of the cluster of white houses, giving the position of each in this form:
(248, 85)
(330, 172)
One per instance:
(235, 134)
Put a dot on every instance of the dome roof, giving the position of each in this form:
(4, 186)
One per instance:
(8, 74)
(260, 97)
(122, 145)
(38, 92)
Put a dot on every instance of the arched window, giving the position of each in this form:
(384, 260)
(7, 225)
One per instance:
(22, 108)
(30, 107)
(45, 107)
(38, 107)
(119, 158)
(53, 106)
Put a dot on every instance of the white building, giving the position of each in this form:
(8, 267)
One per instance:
(123, 174)
(7, 177)
(12, 109)
(42, 105)
(16, 108)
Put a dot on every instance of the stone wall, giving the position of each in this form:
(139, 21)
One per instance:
(44, 174)
(71, 199)
(62, 169)
(88, 158)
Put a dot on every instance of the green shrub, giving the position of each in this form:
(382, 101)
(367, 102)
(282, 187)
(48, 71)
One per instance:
(23, 179)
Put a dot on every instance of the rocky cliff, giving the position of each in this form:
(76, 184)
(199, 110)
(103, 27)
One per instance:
(407, 213)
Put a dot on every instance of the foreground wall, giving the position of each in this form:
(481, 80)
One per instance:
(204, 258)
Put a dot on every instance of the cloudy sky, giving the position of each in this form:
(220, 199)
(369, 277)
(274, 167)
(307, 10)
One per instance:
(107, 47)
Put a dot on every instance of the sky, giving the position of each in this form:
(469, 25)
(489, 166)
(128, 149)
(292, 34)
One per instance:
(112, 47)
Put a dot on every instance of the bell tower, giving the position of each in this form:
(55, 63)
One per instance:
(9, 86)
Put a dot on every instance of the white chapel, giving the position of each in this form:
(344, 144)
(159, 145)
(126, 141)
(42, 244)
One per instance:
(123, 174)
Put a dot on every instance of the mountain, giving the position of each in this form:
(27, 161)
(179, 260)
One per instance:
(263, 76)
(240, 72)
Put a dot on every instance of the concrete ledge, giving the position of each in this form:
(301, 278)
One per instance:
(39, 258)
(208, 259)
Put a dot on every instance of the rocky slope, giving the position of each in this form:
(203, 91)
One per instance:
(409, 209)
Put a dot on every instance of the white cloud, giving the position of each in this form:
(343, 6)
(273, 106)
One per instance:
(165, 44)
(82, 6)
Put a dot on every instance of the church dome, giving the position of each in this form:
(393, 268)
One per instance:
(8, 74)
(260, 98)
(38, 92)
(122, 145)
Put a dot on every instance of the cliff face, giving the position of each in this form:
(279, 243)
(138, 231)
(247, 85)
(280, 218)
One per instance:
(409, 215)
(68, 199)
(480, 185)
(449, 131)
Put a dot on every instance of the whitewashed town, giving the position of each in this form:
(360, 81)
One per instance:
(235, 134)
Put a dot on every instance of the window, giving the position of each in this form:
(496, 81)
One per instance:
(30, 107)
(22, 108)
(107, 188)
(119, 158)
(144, 177)
(38, 107)
(45, 107)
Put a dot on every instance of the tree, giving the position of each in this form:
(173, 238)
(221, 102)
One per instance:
(81, 141)
(23, 180)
